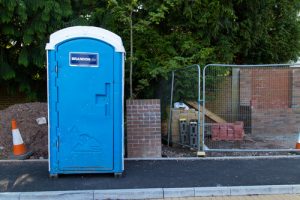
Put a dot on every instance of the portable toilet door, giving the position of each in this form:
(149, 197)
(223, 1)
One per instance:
(85, 67)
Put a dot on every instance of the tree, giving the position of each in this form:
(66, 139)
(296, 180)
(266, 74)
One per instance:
(25, 29)
(119, 12)
(172, 34)
(166, 34)
(268, 31)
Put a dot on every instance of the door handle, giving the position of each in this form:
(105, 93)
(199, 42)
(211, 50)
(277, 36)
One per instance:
(104, 99)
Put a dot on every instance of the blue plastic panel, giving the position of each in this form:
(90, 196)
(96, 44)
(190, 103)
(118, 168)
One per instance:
(85, 107)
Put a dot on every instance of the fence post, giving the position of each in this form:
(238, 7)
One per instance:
(170, 113)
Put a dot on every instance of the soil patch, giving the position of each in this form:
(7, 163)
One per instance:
(34, 136)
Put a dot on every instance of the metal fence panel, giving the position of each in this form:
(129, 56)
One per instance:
(251, 107)
(184, 126)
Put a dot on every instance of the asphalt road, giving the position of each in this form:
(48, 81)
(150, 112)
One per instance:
(33, 176)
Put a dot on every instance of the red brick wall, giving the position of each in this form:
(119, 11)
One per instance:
(266, 88)
(276, 121)
(274, 96)
(143, 128)
(271, 88)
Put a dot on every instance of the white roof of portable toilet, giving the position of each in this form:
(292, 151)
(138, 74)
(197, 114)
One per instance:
(85, 31)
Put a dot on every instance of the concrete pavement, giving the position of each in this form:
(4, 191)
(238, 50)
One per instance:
(157, 193)
(255, 197)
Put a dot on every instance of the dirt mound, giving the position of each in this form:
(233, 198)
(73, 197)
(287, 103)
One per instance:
(35, 136)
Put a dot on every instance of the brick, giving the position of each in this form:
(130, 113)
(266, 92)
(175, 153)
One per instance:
(215, 126)
(223, 131)
(238, 135)
(223, 126)
(223, 134)
(143, 128)
(215, 132)
(230, 133)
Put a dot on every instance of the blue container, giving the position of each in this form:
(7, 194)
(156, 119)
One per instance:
(85, 101)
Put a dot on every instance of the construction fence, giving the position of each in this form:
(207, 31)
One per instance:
(238, 108)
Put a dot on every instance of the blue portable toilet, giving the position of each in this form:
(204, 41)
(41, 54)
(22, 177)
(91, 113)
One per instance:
(85, 69)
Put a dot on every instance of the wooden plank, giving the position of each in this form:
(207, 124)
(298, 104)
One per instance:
(208, 113)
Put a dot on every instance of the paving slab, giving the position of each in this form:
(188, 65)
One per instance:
(256, 190)
(212, 191)
(58, 195)
(10, 196)
(179, 192)
(255, 197)
(129, 194)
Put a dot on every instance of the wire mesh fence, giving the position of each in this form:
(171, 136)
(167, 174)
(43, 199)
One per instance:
(251, 107)
(235, 108)
(184, 122)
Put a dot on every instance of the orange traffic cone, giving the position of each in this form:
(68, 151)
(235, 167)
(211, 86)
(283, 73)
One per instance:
(298, 142)
(19, 149)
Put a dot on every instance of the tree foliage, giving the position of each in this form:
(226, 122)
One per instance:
(167, 34)
(171, 34)
(25, 28)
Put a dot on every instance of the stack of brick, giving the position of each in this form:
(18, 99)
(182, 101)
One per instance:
(143, 128)
(228, 131)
